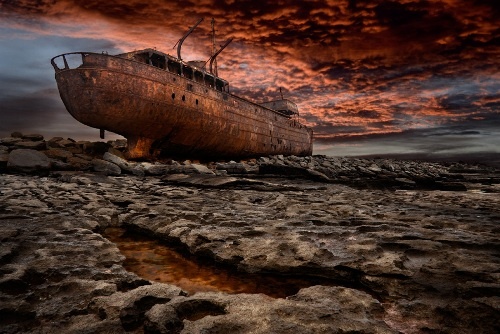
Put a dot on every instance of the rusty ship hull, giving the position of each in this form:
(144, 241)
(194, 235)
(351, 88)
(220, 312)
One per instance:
(168, 107)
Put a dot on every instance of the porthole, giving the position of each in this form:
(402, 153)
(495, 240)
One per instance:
(173, 96)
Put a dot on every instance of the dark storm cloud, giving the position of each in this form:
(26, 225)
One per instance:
(29, 99)
(356, 68)
(32, 111)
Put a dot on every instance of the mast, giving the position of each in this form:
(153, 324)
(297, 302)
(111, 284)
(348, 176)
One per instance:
(214, 56)
(213, 45)
(179, 43)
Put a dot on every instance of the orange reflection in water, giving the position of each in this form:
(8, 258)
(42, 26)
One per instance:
(155, 261)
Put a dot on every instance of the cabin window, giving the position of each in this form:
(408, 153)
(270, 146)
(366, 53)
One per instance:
(219, 85)
(209, 80)
(174, 66)
(142, 57)
(198, 76)
(157, 60)
(187, 72)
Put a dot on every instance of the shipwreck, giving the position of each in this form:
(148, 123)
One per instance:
(166, 106)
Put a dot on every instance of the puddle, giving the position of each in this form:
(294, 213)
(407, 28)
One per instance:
(155, 261)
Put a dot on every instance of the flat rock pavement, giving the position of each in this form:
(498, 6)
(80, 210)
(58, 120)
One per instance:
(410, 261)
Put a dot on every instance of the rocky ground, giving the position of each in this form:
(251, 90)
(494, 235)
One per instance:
(405, 246)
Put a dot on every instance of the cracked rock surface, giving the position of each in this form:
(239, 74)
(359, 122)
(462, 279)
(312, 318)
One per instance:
(400, 259)
(405, 246)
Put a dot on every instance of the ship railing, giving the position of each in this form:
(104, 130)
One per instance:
(68, 61)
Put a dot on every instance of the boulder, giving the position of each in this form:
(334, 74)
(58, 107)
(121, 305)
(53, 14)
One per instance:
(79, 163)
(25, 160)
(4, 157)
(61, 165)
(106, 167)
(66, 142)
(9, 141)
(155, 169)
(118, 144)
(96, 148)
(33, 137)
(58, 154)
(33, 145)
(235, 168)
(201, 169)
(116, 152)
(317, 175)
(16, 134)
(126, 166)
(194, 168)
(54, 142)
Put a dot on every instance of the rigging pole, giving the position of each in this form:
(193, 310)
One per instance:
(214, 56)
(213, 47)
(179, 43)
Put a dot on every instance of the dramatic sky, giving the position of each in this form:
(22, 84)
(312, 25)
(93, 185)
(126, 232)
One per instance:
(370, 77)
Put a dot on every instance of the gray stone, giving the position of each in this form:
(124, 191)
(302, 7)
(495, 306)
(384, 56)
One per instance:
(236, 168)
(105, 167)
(66, 142)
(54, 142)
(187, 169)
(126, 166)
(201, 169)
(374, 168)
(4, 158)
(16, 134)
(79, 163)
(61, 165)
(33, 145)
(33, 137)
(9, 141)
(155, 169)
(25, 160)
(119, 144)
(317, 175)
(59, 154)
(95, 148)
(116, 152)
